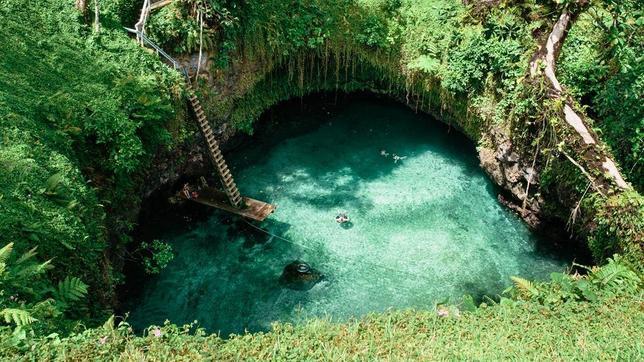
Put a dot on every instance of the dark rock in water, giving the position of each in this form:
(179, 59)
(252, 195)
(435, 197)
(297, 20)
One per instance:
(299, 275)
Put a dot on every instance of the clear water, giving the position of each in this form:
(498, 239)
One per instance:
(426, 229)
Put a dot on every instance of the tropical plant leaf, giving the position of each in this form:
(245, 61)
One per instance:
(70, 289)
(27, 255)
(109, 323)
(53, 182)
(525, 287)
(5, 252)
(614, 274)
(19, 317)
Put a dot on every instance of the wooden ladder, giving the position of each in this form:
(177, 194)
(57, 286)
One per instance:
(225, 176)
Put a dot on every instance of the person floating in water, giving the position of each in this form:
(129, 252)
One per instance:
(398, 158)
(342, 218)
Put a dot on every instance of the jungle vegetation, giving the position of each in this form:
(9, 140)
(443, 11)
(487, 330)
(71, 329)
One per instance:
(84, 111)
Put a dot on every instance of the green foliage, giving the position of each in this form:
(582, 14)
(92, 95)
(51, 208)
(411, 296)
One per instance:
(373, 30)
(575, 327)
(28, 301)
(619, 226)
(70, 289)
(80, 116)
(602, 64)
(19, 317)
(606, 282)
(174, 29)
(157, 255)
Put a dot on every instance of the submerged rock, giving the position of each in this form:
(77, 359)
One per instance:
(299, 275)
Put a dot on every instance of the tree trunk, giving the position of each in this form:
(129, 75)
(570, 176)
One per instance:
(140, 25)
(97, 23)
(81, 5)
(592, 156)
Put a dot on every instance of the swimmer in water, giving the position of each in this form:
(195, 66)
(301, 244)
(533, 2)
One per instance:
(341, 218)
(398, 158)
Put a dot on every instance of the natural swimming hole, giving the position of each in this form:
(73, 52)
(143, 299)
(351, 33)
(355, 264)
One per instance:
(425, 228)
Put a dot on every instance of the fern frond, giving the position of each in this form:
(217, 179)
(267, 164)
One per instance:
(18, 317)
(27, 255)
(614, 273)
(5, 252)
(525, 287)
(20, 273)
(71, 289)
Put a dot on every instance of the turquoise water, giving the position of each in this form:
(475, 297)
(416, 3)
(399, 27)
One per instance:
(426, 228)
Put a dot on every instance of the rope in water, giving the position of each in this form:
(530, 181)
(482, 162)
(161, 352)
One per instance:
(379, 266)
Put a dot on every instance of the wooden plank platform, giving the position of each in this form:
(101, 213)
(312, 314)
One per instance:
(255, 209)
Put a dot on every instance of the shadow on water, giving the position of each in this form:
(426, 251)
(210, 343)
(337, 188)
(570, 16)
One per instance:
(423, 228)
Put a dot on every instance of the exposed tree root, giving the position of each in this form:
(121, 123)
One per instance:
(593, 157)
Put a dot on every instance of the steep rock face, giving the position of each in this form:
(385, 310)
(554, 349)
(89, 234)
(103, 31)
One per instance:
(515, 174)
(188, 160)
